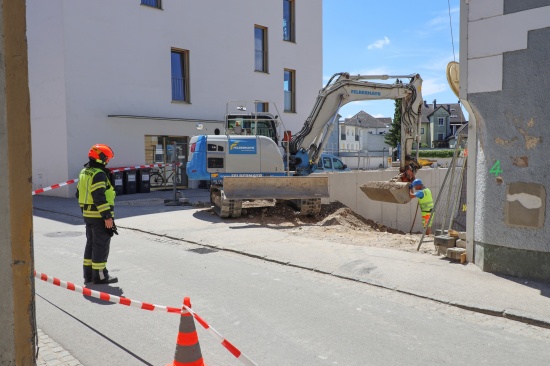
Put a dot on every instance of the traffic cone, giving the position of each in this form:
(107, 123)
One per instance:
(188, 350)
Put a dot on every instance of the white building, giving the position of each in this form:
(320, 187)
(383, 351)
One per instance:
(364, 132)
(138, 76)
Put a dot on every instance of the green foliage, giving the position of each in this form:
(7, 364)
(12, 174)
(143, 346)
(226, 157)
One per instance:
(393, 138)
(446, 153)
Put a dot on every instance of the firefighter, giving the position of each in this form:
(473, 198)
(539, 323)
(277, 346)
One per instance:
(96, 197)
(425, 202)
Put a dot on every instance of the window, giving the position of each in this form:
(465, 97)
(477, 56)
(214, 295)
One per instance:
(327, 163)
(422, 131)
(180, 80)
(215, 163)
(290, 90)
(337, 164)
(260, 48)
(152, 3)
(441, 121)
(262, 107)
(288, 20)
(440, 136)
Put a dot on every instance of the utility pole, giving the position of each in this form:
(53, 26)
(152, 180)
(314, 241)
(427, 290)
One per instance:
(17, 311)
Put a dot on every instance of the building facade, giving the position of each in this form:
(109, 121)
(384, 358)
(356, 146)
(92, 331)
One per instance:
(439, 124)
(504, 52)
(139, 76)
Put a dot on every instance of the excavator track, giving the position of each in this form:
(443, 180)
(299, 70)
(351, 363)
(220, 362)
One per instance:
(224, 207)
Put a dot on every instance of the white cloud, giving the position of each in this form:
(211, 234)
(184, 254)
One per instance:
(378, 115)
(379, 44)
(434, 86)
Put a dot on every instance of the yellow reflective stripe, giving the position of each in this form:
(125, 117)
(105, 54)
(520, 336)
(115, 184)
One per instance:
(87, 262)
(99, 265)
(103, 207)
(97, 185)
(92, 214)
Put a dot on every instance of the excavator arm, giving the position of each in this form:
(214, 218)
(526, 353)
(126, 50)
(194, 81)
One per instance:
(307, 145)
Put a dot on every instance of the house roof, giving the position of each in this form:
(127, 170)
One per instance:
(452, 109)
(365, 120)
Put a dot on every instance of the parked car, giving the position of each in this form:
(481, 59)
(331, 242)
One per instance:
(330, 163)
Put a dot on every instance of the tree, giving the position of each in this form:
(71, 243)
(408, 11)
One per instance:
(393, 138)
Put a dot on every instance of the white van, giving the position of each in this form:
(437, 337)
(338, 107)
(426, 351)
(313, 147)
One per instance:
(330, 163)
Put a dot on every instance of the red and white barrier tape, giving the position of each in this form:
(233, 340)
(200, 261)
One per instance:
(40, 190)
(231, 348)
(146, 306)
(54, 186)
(140, 167)
(105, 296)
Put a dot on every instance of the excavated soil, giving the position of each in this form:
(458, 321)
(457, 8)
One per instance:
(335, 223)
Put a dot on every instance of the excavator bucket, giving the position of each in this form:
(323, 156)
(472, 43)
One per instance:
(391, 192)
(239, 188)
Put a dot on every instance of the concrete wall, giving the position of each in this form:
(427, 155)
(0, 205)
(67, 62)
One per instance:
(344, 187)
(92, 59)
(505, 48)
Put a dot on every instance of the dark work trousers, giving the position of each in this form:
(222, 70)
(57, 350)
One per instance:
(97, 249)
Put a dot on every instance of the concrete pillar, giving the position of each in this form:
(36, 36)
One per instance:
(17, 312)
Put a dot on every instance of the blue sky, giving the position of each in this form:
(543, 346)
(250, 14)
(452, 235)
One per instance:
(398, 37)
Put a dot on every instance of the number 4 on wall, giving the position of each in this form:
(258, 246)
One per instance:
(495, 169)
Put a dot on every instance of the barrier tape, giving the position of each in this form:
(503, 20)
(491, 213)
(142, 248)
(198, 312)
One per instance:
(224, 342)
(147, 306)
(41, 190)
(54, 186)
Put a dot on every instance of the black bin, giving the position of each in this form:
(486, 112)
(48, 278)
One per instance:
(117, 181)
(130, 185)
(143, 185)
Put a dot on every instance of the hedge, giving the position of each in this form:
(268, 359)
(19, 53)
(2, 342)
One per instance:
(442, 153)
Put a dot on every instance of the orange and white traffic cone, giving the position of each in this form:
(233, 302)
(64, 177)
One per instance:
(188, 350)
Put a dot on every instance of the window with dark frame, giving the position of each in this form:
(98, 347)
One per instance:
(180, 79)
(152, 3)
(290, 91)
(260, 48)
(262, 107)
(288, 20)
(215, 163)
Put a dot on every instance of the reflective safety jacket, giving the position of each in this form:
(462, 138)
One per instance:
(96, 195)
(426, 203)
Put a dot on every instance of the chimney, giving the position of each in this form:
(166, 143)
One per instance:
(435, 104)
(426, 104)
(449, 108)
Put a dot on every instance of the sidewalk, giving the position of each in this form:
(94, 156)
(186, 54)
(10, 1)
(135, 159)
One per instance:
(52, 354)
(422, 275)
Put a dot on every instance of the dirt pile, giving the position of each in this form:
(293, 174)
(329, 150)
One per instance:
(335, 223)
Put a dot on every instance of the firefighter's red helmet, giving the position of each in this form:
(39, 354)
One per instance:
(101, 153)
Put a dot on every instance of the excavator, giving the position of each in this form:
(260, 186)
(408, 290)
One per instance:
(247, 162)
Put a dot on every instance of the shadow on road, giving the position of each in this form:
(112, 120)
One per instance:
(116, 291)
(542, 287)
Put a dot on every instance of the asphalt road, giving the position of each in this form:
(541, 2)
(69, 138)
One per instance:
(275, 314)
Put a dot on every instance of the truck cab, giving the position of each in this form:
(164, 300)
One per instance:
(329, 163)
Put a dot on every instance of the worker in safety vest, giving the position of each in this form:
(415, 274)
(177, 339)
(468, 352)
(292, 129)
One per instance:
(425, 202)
(96, 197)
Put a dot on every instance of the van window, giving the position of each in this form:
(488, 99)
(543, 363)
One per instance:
(338, 164)
(327, 164)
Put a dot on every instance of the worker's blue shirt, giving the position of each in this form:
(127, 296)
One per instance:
(419, 194)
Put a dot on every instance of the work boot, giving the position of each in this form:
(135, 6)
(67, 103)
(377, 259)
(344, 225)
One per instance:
(88, 280)
(109, 279)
